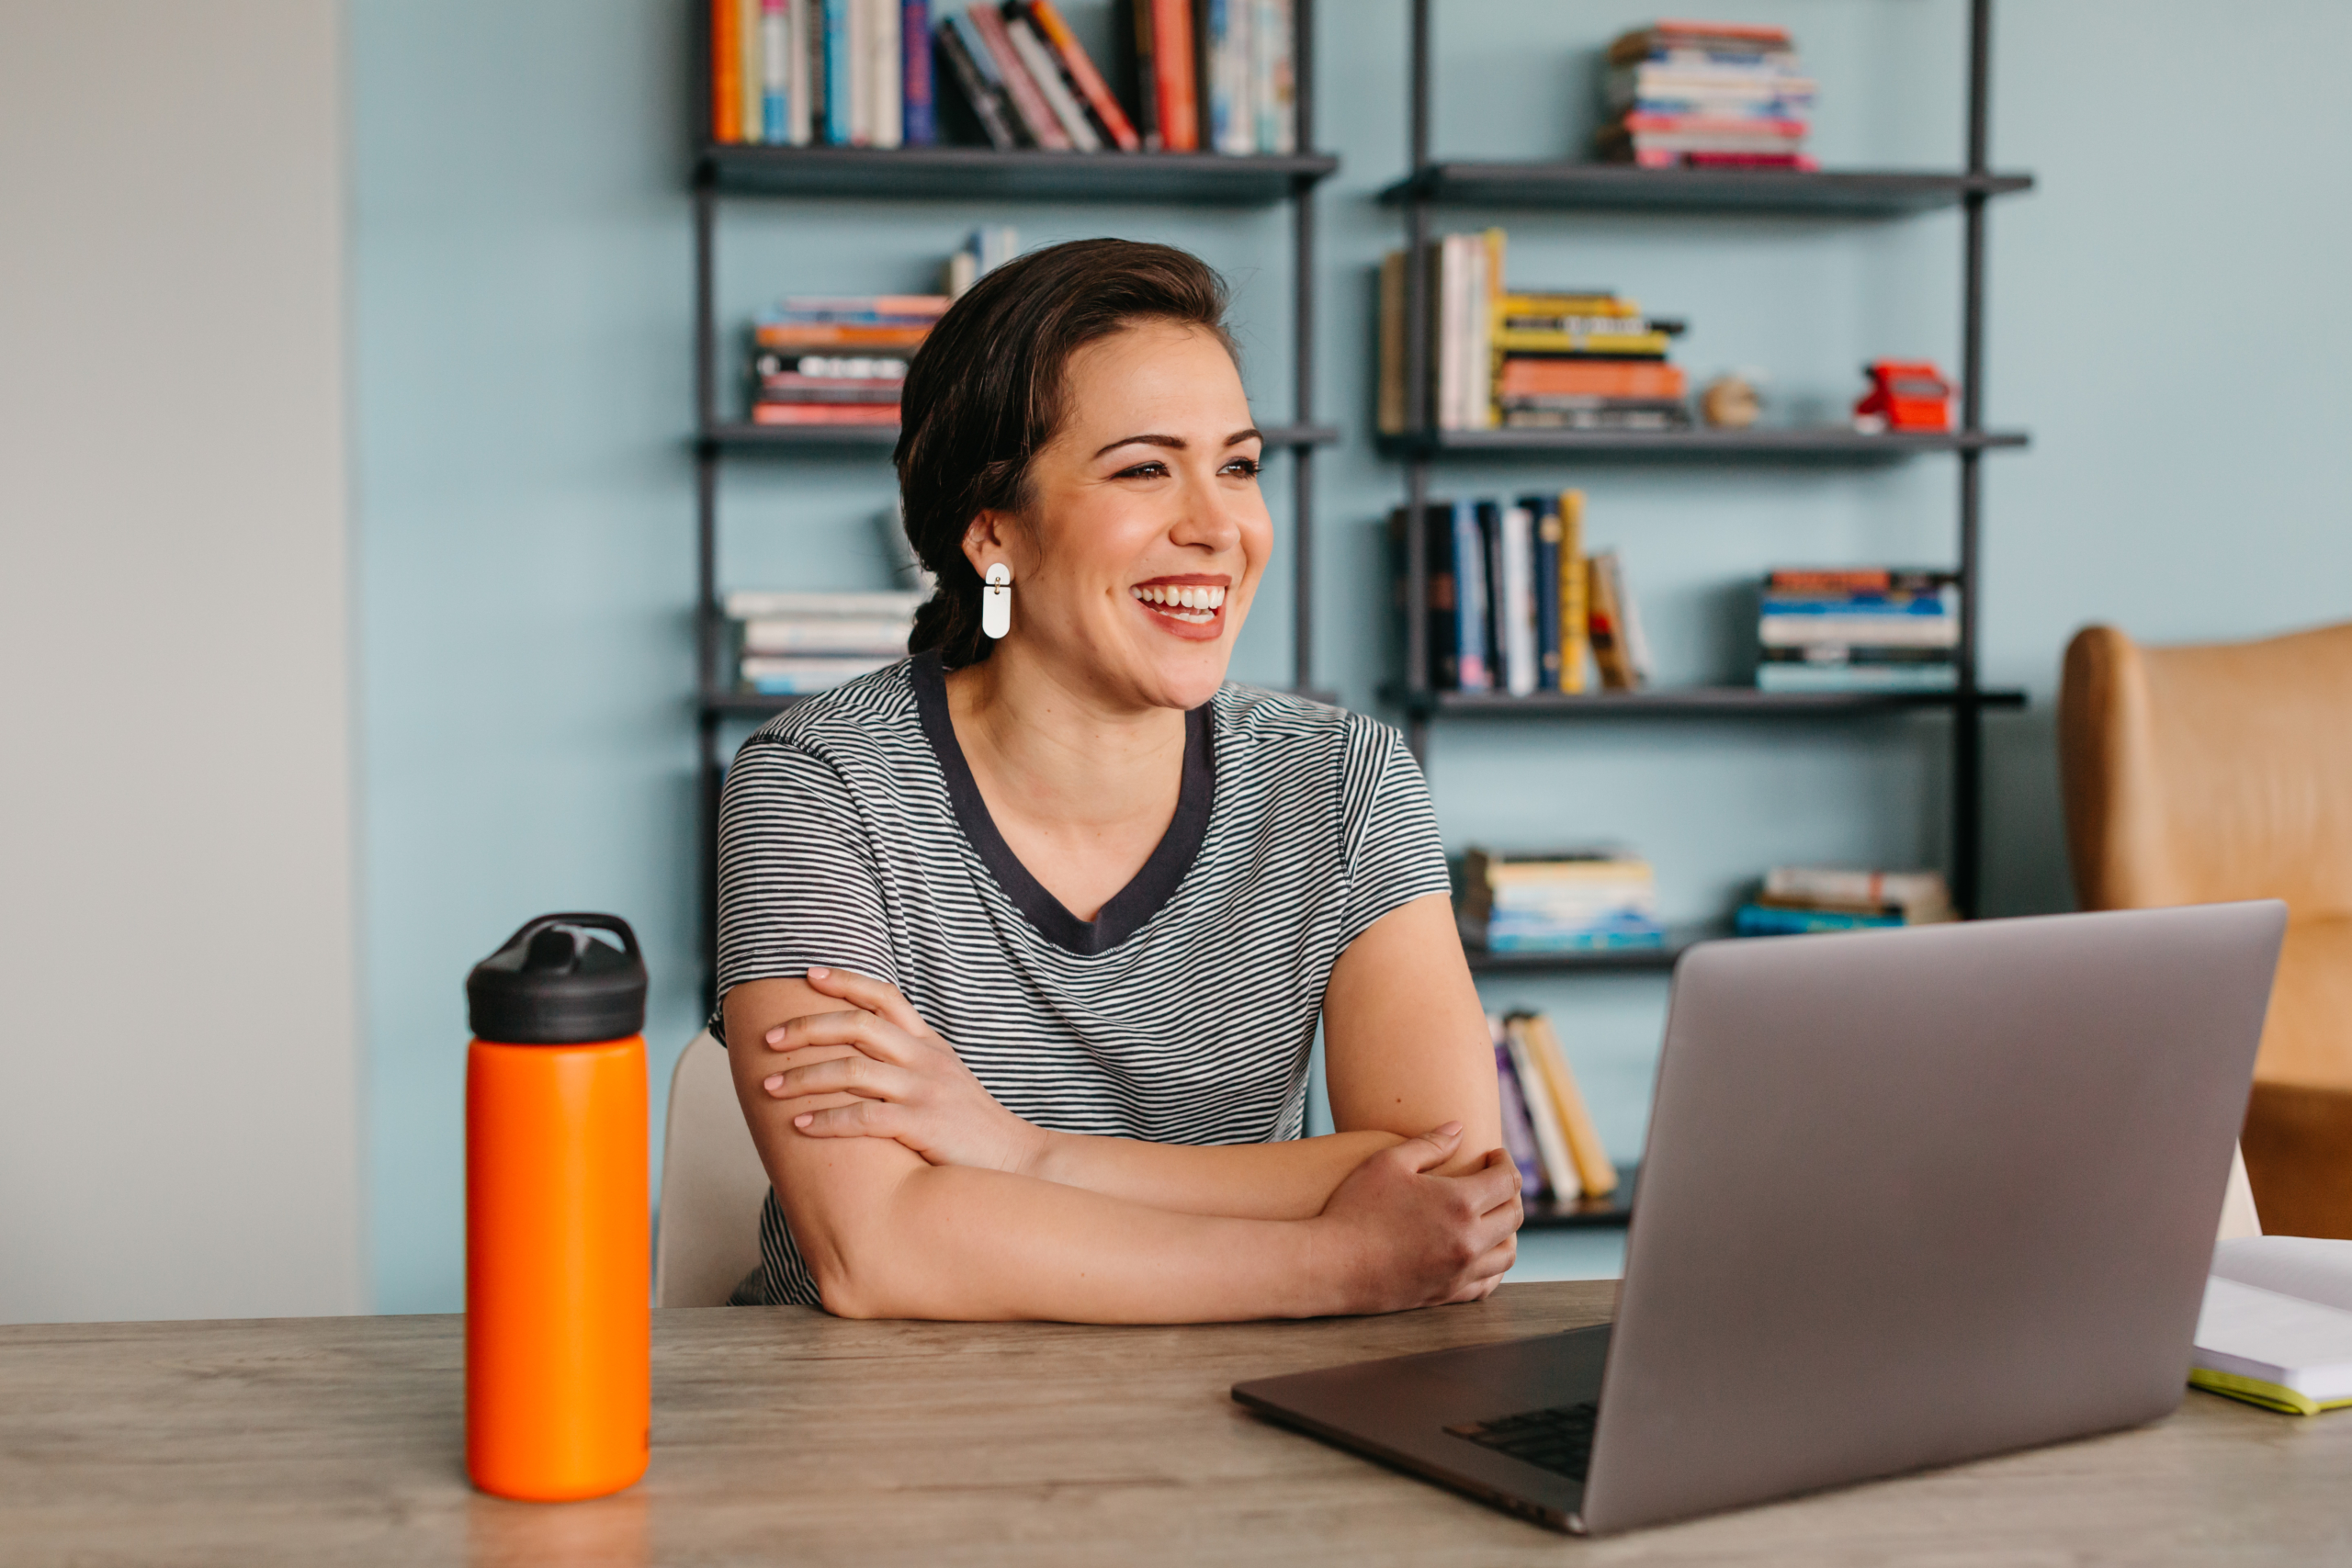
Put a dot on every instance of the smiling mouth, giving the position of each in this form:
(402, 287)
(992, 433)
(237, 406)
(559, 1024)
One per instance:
(1191, 603)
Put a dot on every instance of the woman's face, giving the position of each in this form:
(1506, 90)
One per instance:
(1135, 565)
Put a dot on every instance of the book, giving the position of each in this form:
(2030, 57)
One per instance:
(1516, 607)
(885, 65)
(1442, 625)
(757, 604)
(1922, 893)
(2276, 1326)
(1164, 53)
(1629, 646)
(1575, 594)
(785, 334)
(1038, 121)
(1274, 88)
(825, 414)
(1519, 1130)
(1546, 532)
(1521, 376)
(1473, 673)
(825, 634)
(1640, 414)
(918, 124)
(752, 77)
(1542, 1114)
(839, 69)
(1767, 919)
(725, 73)
(1389, 412)
(813, 51)
(775, 72)
(978, 90)
(1826, 679)
(1222, 70)
(1595, 1173)
(800, 676)
(1596, 901)
(1043, 67)
(800, 122)
(1046, 18)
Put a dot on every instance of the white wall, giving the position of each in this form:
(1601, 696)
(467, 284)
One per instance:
(178, 1118)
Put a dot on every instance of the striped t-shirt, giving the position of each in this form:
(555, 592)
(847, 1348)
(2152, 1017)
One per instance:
(852, 834)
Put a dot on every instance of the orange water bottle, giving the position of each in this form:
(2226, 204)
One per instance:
(559, 1351)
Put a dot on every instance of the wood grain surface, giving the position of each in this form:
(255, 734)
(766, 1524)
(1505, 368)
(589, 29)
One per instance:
(784, 1435)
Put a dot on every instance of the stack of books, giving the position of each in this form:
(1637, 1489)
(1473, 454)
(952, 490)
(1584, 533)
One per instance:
(1589, 901)
(1199, 75)
(793, 644)
(1706, 95)
(837, 360)
(1546, 1127)
(1515, 602)
(1797, 899)
(1859, 629)
(1550, 359)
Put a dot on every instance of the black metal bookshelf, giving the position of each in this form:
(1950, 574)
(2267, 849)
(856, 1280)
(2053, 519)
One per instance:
(1614, 1212)
(963, 175)
(1831, 196)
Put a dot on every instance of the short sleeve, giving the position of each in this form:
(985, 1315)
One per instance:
(1394, 852)
(797, 878)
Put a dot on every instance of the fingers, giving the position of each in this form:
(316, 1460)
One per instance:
(844, 1075)
(866, 1119)
(1493, 1185)
(878, 996)
(868, 1032)
(1432, 1149)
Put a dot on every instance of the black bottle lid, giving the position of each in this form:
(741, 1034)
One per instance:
(559, 981)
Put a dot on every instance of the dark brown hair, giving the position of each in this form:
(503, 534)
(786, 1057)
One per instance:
(985, 394)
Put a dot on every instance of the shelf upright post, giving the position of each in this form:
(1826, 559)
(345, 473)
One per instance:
(706, 619)
(1968, 715)
(1419, 418)
(1302, 458)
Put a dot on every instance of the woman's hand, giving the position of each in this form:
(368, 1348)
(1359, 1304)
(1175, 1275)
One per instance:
(908, 1083)
(1395, 1235)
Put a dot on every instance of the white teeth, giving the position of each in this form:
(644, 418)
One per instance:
(1195, 604)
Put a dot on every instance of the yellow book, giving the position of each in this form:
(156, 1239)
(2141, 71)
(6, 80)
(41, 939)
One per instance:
(1573, 603)
(2275, 1328)
(1544, 340)
(1568, 305)
(1490, 413)
(1560, 1168)
(1594, 1169)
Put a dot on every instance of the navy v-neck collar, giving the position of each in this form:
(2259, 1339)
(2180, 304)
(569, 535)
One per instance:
(1129, 907)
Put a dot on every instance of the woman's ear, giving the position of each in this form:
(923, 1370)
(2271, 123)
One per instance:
(987, 540)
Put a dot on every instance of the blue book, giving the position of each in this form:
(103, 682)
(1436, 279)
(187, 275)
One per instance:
(837, 66)
(1763, 920)
(1546, 512)
(1475, 662)
(921, 126)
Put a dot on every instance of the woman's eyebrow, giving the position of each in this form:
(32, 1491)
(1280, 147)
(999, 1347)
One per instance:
(1177, 443)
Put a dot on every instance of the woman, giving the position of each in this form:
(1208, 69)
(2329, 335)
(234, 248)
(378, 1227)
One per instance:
(1023, 941)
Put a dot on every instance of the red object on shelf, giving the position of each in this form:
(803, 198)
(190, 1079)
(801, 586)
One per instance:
(1906, 394)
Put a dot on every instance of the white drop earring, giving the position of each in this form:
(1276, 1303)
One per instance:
(996, 600)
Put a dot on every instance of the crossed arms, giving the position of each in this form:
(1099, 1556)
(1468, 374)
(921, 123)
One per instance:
(912, 1193)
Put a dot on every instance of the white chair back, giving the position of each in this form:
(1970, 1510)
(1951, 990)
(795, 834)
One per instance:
(712, 1185)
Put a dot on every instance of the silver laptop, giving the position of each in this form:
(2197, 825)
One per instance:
(1910, 1197)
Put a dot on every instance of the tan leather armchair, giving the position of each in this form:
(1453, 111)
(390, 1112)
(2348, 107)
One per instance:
(2205, 773)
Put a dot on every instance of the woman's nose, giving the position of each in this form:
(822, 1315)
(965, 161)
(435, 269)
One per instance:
(1207, 519)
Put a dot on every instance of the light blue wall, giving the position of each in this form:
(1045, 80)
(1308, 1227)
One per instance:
(2168, 317)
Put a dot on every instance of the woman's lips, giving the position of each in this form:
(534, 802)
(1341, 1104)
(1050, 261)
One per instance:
(1190, 610)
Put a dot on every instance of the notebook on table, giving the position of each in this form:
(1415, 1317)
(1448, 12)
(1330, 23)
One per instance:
(2275, 1329)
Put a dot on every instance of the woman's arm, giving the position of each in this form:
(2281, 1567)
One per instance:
(888, 1235)
(1404, 1046)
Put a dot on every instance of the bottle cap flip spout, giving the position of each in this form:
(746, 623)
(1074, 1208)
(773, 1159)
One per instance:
(561, 980)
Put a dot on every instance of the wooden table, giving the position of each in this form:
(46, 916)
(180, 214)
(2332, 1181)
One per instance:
(783, 1436)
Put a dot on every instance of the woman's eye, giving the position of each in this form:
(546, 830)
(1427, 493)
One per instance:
(1245, 467)
(1151, 470)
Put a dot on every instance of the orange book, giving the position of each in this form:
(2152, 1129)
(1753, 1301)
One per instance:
(725, 73)
(1171, 66)
(1590, 378)
(825, 414)
(1080, 65)
(1594, 1169)
(836, 335)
